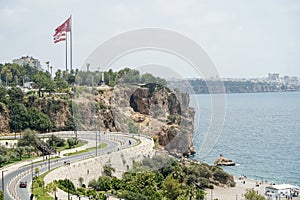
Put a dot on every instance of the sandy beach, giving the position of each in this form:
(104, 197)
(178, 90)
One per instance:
(236, 193)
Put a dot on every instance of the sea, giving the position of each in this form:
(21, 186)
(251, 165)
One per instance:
(261, 134)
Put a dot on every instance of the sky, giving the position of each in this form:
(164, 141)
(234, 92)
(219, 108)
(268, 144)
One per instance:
(242, 38)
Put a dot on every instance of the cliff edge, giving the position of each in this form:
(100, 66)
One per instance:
(149, 109)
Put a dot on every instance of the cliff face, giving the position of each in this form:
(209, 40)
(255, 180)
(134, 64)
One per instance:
(171, 118)
(57, 109)
(149, 109)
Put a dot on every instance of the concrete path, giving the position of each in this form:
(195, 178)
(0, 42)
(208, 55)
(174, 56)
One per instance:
(92, 168)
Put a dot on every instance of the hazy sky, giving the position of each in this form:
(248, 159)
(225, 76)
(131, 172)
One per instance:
(243, 38)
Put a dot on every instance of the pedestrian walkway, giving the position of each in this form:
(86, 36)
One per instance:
(92, 168)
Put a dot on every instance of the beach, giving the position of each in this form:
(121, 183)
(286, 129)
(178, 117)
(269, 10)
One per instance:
(236, 193)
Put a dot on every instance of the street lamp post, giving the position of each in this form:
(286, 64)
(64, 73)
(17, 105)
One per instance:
(96, 119)
(3, 179)
(96, 143)
(49, 162)
(51, 71)
(68, 190)
(31, 176)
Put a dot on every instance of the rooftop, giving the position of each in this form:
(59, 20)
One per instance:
(283, 186)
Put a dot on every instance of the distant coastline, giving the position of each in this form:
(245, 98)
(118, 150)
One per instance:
(271, 83)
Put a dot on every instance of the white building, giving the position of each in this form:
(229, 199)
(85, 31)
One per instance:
(28, 60)
(29, 85)
(276, 192)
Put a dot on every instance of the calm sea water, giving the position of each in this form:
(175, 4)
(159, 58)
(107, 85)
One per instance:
(261, 134)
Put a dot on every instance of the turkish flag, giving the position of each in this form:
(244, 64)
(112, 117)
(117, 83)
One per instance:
(60, 31)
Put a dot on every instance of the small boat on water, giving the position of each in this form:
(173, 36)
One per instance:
(222, 161)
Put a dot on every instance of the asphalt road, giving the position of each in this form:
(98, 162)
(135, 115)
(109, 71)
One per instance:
(26, 171)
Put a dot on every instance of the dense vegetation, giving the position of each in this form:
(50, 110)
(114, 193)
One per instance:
(252, 195)
(31, 145)
(156, 178)
(36, 109)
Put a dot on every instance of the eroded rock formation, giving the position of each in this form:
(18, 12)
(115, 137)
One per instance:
(149, 109)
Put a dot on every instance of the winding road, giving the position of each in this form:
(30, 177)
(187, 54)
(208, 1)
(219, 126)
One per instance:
(25, 170)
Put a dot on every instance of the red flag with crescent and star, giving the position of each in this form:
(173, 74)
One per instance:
(61, 31)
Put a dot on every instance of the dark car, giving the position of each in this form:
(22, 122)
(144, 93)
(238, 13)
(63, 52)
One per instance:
(23, 184)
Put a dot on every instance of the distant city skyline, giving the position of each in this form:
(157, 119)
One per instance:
(243, 38)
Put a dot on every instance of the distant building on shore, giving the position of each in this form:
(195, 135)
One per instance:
(286, 191)
(28, 60)
(273, 76)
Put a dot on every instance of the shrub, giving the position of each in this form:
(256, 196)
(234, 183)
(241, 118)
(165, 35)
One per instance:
(221, 176)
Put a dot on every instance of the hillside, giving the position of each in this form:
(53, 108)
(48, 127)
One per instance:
(122, 101)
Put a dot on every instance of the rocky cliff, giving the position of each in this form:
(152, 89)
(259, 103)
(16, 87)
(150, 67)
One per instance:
(149, 109)
(57, 109)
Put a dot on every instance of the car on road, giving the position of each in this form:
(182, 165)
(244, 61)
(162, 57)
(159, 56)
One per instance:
(23, 184)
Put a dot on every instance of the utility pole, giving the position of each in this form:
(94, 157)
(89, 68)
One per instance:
(51, 71)
(87, 67)
(68, 190)
(31, 177)
(49, 162)
(96, 142)
(3, 180)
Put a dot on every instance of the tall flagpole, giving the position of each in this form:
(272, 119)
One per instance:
(66, 52)
(71, 43)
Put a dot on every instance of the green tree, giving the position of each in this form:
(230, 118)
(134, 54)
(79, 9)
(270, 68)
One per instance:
(20, 151)
(3, 95)
(29, 138)
(128, 76)
(29, 150)
(1, 195)
(43, 81)
(80, 179)
(72, 142)
(58, 75)
(38, 120)
(71, 79)
(221, 176)
(56, 141)
(36, 171)
(6, 75)
(3, 159)
(108, 170)
(18, 117)
(252, 195)
(15, 95)
(149, 78)
(171, 188)
(52, 188)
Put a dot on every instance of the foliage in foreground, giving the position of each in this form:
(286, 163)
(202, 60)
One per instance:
(31, 145)
(1, 195)
(252, 195)
(154, 179)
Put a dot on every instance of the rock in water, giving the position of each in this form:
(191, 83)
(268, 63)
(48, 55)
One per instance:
(222, 161)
